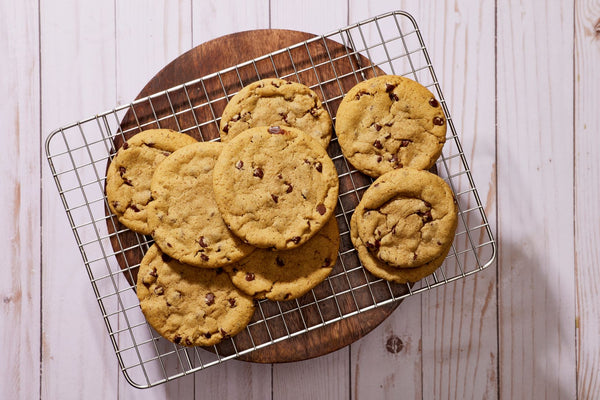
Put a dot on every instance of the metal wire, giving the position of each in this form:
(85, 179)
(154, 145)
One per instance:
(330, 64)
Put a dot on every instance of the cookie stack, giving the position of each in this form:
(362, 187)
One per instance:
(251, 217)
(393, 129)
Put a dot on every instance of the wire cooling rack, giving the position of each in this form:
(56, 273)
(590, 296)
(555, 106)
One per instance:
(331, 64)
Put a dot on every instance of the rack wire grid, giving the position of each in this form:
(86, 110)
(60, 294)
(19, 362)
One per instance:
(330, 64)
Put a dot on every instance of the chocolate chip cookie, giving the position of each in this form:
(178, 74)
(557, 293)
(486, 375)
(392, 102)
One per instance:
(287, 275)
(190, 306)
(130, 173)
(384, 271)
(275, 186)
(407, 217)
(279, 102)
(389, 122)
(184, 217)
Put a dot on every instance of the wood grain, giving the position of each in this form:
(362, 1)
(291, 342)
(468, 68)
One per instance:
(77, 67)
(587, 196)
(536, 298)
(20, 199)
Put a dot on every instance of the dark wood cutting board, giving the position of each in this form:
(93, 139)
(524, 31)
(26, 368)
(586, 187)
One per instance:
(333, 79)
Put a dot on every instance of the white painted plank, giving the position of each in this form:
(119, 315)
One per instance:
(536, 296)
(77, 69)
(587, 196)
(454, 325)
(232, 379)
(147, 39)
(328, 375)
(215, 18)
(20, 196)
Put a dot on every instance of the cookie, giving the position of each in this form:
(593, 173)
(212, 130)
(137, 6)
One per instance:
(275, 101)
(387, 272)
(287, 275)
(407, 217)
(275, 187)
(190, 306)
(183, 217)
(390, 122)
(130, 173)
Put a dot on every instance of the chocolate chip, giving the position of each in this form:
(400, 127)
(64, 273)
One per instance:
(314, 112)
(425, 215)
(151, 145)
(275, 197)
(279, 261)
(321, 209)
(239, 164)
(258, 172)
(296, 239)
(226, 128)
(433, 102)
(166, 153)
(209, 299)
(379, 158)
(115, 204)
(153, 273)
(249, 276)
(232, 303)
(377, 144)
(361, 93)
(415, 257)
(404, 142)
(373, 246)
(438, 121)
(279, 176)
(275, 130)
(201, 242)
(326, 263)
(204, 257)
(127, 182)
(319, 166)
(289, 187)
(122, 171)
(235, 118)
(275, 83)
(284, 117)
(306, 161)
(165, 257)
(125, 146)
(389, 87)
(389, 135)
(287, 296)
(224, 333)
(207, 335)
(177, 339)
(394, 97)
(159, 290)
(377, 127)
(134, 208)
(188, 342)
(169, 245)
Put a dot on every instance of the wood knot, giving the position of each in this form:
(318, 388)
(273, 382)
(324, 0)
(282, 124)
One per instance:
(394, 344)
(597, 28)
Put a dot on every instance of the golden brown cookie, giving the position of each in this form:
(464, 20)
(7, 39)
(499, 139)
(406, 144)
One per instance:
(287, 275)
(187, 305)
(390, 122)
(130, 173)
(407, 217)
(184, 217)
(279, 102)
(387, 272)
(275, 187)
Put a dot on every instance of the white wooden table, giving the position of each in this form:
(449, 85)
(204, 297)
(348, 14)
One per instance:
(522, 80)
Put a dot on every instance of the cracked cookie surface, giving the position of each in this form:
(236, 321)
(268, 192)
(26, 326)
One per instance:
(384, 271)
(130, 173)
(389, 122)
(190, 306)
(275, 187)
(279, 102)
(407, 217)
(289, 274)
(184, 218)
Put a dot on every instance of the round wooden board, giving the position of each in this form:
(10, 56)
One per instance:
(217, 55)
